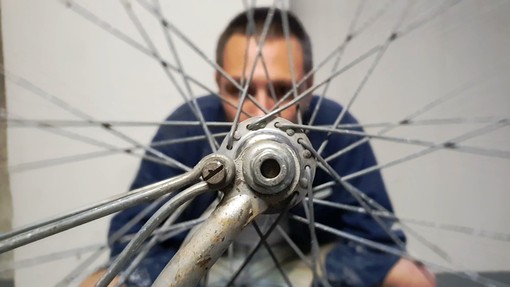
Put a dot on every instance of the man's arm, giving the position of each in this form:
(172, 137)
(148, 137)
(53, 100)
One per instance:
(409, 274)
(349, 262)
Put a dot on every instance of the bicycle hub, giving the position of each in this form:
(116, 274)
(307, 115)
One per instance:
(270, 163)
(272, 172)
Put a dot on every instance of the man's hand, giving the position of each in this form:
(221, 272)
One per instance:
(409, 274)
(93, 278)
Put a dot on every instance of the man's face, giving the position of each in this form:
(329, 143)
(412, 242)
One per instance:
(275, 53)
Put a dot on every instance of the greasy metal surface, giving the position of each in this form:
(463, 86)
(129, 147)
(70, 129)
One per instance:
(164, 212)
(47, 228)
(148, 228)
(208, 243)
(269, 167)
(250, 149)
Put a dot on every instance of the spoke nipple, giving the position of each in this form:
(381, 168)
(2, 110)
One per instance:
(393, 36)
(237, 135)
(348, 38)
(304, 182)
(164, 64)
(106, 125)
(164, 23)
(449, 145)
(256, 125)
(405, 122)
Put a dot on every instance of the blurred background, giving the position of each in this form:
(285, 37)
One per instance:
(451, 50)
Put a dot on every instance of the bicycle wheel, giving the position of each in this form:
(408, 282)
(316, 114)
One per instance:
(437, 53)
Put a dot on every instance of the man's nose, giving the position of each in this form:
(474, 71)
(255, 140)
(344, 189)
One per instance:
(264, 101)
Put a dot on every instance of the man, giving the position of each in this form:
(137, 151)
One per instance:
(348, 263)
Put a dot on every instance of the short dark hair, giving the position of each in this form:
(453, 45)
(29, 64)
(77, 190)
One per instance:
(239, 25)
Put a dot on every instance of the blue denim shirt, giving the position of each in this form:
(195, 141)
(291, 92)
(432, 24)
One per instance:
(348, 264)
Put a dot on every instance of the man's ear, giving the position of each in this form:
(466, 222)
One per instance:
(306, 101)
(217, 77)
(309, 82)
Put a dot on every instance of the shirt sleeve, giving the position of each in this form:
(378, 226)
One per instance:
(187, 153)
(150, 172)
(351, 263)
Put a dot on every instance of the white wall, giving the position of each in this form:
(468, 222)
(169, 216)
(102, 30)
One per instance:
(467, 43)
(68, 56)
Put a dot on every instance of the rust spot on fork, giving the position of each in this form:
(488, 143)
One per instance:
(203, 262)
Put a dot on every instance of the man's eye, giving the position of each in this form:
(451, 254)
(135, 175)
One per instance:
(231, 89)
(252, 91)
(281, 90)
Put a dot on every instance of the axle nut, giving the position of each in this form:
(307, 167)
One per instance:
(269, 167)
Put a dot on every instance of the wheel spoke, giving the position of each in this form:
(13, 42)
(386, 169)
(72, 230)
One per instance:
(94, 19)
(358, 195)
(189, 98)
(169, 26)
(80, 268)
(117, 236)
(30, 262)
(250, 31)
(22, 167)
(424, 122)
(271, 254)
(78, 113)
(384, 213)
(260, 45)
(467, 230)
(110, 149)
(286, 33)
(457, 92)
(367, 76)
(318, 268)
(294, 246)
(449, 143)
(146, 247)
(302, 95)
(371, 20)
(421, 22)
(50, 227)
(348, 38)
(394, 251)
(166, 210)
(408, 141)
(183, 82)
(18, 122)
(256, 248)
